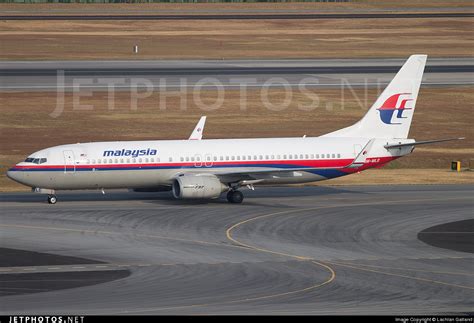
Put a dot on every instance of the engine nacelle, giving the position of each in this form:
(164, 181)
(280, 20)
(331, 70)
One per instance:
(198, 187)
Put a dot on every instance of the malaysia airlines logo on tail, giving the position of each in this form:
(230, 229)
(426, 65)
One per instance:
(389, 107)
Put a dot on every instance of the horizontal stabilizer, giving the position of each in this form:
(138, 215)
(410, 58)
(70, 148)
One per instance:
(400, 145)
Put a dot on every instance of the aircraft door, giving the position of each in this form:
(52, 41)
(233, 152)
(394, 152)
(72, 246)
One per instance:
(69, 161)
(197, 160)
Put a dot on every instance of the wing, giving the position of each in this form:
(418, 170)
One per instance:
(257, 176)
(254, 176)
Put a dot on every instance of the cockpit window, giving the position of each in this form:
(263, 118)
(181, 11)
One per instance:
(36, 160)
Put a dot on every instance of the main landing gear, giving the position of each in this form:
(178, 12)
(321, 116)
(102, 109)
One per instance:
(52, 199)
(234, 196)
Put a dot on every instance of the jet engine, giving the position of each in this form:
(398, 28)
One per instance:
(200, 186)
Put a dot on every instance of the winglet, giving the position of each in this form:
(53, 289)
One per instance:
(198, 130)
(360, 159)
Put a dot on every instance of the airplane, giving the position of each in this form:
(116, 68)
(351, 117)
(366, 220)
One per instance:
(207, 168)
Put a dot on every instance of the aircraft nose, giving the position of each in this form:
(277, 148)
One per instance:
(12, 174)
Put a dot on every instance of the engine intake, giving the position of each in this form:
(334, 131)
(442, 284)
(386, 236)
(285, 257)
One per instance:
(198, 187)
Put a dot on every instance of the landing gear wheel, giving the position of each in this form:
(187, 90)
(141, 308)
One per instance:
(235, 196)
(52, 199)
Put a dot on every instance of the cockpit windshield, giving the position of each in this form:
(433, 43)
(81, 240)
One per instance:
(36, 160)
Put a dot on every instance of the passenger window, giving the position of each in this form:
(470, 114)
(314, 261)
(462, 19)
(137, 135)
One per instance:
(238, 157)
(290, 156)
(181, 159)
(328, 156)
(266, 157)
(278, 156)
(192, 158)
(307, 156)
(110, 161)
(333, 155)
(254, 157)
(187, 159)
(171, 159)
(139, 160)
(226, 157)
(121, 160)
(128, 160)
(249, 157)
(215, 158)
(152, 160)
(233, 158)
(261, 157)
(338, 155)
(134, 160)
(221, 158)
(312, 156)
(98, 161)
(273, 157)
(301, 157)
(243, 157)
(284, 156)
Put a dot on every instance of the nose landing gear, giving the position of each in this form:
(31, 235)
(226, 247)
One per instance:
(234, 196)
(52, 199)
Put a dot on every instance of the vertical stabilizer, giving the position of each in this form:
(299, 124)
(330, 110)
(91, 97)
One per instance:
(391, 114)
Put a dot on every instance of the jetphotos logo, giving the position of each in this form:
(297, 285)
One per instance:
(388, 108)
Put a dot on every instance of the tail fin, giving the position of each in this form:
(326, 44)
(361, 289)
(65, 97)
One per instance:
(390, 116)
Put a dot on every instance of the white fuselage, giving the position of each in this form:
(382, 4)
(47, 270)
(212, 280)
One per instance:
(148, 164)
